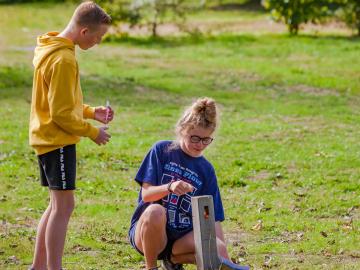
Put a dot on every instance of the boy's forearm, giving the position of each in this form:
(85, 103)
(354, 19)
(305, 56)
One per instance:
(75, 125)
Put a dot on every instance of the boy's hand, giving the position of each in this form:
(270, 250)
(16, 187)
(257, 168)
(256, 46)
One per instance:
(104, 114)
(103, 137)
(181, 187)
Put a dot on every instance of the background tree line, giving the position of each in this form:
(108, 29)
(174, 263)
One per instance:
(296, 12)
(293, 13)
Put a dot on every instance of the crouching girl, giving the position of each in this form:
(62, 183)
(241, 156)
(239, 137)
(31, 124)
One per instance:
(171, 173)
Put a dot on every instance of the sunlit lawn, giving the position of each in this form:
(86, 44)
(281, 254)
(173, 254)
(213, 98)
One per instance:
(287, 151)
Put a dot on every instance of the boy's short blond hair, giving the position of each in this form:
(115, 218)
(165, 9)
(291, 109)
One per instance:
(89, 14)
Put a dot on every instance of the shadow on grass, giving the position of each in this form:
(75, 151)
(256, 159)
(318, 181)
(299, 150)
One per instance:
(351, 39)
(227, 39)
(16, 84)
(13, 81)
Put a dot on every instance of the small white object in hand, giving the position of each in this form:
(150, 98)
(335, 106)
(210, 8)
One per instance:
(107, 112)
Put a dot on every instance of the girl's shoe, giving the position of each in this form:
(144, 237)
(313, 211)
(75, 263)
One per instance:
(168, 265)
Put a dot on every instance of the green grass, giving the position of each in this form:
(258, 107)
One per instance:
(287, 151)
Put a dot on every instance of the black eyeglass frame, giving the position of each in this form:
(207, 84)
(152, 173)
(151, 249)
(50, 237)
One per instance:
(203, 140)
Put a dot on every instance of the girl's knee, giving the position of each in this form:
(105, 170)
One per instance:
(154, 214)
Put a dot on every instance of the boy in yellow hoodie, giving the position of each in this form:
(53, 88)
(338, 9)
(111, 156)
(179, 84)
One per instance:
(57, 121)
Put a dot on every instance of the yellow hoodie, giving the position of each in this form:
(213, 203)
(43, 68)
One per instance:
(57, 110)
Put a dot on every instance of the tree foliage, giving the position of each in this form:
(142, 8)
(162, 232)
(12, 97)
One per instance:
(296, 12)
(147, 12)
(349, 12)
(30, 1)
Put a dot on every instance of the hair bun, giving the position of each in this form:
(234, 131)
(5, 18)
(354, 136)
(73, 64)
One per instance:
(202, 113)
(205, 108)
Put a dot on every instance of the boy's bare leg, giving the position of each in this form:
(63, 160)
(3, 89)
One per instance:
(62, 205)
(39, 262)
(150, 233)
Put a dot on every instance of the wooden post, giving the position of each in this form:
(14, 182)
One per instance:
(204, 233)
(206, 254)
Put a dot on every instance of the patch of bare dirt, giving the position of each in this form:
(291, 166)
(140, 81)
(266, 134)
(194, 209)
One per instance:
(311, 90)
(261, 25)
(240, 240)
(253, 5)
(255, 26)
(21, 222)
(261, 175)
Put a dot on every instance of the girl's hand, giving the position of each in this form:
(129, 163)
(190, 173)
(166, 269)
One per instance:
(104, 114)
(181, 187)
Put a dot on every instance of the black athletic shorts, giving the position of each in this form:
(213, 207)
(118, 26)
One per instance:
(172, 237)
(58, 168)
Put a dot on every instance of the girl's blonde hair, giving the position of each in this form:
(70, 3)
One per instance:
(202, 113)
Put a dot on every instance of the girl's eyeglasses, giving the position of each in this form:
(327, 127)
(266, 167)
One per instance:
(204, 141)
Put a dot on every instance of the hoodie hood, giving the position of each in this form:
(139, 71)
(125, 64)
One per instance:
(47, 44)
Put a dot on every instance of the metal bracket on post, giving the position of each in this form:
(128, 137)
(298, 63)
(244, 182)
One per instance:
(206, 254)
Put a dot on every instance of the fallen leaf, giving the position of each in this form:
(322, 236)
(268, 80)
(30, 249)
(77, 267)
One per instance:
(351, 209)
(267, 260)
(348, 224)
(13, 259)
(80, 248)
(263, 208)
(323, 234)
(326, 253)
(258, 226)
(300, 235)
(355, 254)
(331, 242)
(300, 194)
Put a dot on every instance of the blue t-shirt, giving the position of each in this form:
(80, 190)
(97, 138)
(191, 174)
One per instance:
(161, 166)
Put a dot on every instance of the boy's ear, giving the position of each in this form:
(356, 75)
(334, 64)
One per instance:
(84, 31)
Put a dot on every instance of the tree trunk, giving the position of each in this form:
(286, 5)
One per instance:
(153, 29)
(155, 23)
(293, 29)
(357, 18)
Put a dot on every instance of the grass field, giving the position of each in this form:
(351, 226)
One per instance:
(286, 154)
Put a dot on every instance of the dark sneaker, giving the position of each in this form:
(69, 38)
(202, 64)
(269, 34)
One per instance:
(168, 265)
